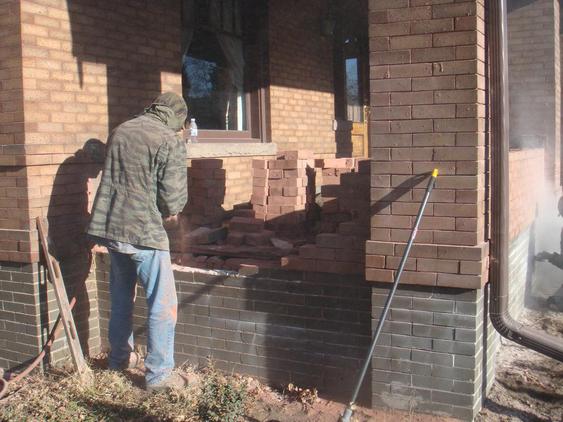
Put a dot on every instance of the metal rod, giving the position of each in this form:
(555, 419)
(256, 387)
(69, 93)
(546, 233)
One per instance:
(350, 408)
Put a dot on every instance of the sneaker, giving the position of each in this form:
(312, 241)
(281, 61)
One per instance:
(173, 382)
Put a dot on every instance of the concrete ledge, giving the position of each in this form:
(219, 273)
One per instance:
(230, 149)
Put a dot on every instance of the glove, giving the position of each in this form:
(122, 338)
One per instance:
(544, 256)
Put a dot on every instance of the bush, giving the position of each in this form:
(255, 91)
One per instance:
(222, 399)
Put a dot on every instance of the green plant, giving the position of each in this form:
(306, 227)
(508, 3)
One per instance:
(222, 399)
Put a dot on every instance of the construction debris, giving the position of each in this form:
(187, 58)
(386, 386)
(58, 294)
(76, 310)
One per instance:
(289, 222)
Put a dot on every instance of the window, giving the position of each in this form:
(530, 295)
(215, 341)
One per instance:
(217, 62)
(354, 104)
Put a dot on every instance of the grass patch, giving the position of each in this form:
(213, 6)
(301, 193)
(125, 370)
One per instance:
(113, 397)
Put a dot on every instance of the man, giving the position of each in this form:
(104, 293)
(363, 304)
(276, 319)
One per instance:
(555, 301)
(143, 187)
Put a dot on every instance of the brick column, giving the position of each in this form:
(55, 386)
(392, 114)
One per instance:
(427, 77)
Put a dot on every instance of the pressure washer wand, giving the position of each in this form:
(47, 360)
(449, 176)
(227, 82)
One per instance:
(350, 408)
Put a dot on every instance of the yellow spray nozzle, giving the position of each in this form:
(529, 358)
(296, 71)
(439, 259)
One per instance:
(435, 173)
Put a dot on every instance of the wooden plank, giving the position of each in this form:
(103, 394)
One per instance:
(64, 308)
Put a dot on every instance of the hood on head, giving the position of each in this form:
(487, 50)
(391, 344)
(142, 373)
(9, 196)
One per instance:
(171, 109)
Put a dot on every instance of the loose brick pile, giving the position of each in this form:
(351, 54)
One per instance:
(247, 230)
(280, 194)
(344, 224)
(206, 193)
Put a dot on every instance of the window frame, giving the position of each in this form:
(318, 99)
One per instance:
(254, 26)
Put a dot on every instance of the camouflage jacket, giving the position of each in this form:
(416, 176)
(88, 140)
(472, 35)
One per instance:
(144, 179)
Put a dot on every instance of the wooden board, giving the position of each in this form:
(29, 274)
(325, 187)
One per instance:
(64, 309)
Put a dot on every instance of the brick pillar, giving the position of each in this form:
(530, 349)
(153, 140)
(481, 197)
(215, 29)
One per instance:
(428, 111)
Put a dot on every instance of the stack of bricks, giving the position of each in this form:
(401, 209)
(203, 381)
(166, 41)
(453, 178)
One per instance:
(332, 170)
(345, 186)
(345, 191)
(280, 195)
(206, 193)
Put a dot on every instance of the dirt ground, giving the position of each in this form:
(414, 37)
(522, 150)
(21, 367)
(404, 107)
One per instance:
(528, 387)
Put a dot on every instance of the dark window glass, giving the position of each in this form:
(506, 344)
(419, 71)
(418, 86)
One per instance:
(213, 66)
(353, 95)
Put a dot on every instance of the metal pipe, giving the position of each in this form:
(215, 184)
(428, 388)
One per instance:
(350, 408)
(500, 125)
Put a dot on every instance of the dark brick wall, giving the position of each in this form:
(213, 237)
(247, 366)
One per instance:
(19, 316)
(28, 310)
(309, 329)
(436, 352)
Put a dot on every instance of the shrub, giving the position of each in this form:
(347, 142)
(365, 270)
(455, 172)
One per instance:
(222, 399)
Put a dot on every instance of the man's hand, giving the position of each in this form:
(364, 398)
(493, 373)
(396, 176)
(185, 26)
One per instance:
(171, 222)
(544, 256)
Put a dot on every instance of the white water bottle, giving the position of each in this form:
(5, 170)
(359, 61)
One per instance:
(193, 131)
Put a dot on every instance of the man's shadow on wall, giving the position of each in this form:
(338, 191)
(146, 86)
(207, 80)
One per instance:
(68, 216)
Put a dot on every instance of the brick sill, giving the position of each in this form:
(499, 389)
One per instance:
(230, 149)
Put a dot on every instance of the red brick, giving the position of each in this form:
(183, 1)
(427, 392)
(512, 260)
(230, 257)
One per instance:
(259, 164)
(296, 155)
(285, 200)
(242, 224)
(437, 265)
(315, 252)
(460, 281)
(286, 164)
(297, 263)
(259, 199)
(472, 267)
(391, 57)
(379, 248)
(258, 239)
(259, 182)
(275, 174)
(417, 251)
(432, 26)
(261, 173)
(419, 278)
(375, 261)
(297, 173)
(392, 263)
(410, 41)
(373, 274)
(294, 191)
(466, 253)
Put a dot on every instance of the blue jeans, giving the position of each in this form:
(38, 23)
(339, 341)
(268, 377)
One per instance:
(153, 268)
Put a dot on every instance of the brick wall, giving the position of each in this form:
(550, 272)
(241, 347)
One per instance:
(81, 79)
(520, 267)
(427, 97)
(19, 313)
(14, 238)
(526, 195)
(525, 188)
(435, 352)
(301, 77)
(76, 71)
(310, 329)
(535, 85)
